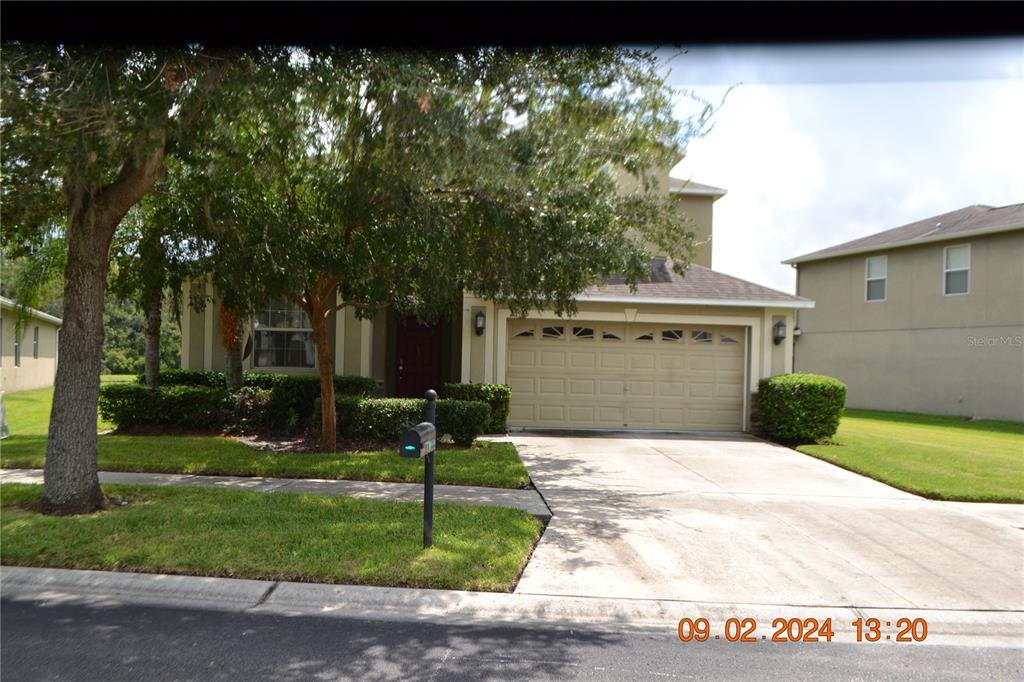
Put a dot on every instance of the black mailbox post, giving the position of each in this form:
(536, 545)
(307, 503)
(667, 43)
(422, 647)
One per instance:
(420, 442)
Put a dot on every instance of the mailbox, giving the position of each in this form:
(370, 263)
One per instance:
(419, 441)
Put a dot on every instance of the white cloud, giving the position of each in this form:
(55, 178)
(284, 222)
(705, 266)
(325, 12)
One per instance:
(809, 165)
(771, 170)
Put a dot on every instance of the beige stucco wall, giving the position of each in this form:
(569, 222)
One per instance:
(351, 349)
(33, 372)
(918, 350)
(695, 212)
(698, 211)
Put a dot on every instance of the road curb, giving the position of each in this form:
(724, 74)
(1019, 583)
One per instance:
(458, 608)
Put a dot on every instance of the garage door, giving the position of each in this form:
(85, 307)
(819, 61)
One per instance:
(631, 376)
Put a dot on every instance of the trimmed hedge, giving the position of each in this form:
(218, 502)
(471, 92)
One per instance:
(187, 377)
(131, 406)
(497, 396)
(250, 410)
(292, 399)
(384, 419)
(801, 408)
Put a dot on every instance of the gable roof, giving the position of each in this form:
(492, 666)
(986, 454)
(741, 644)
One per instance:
(699, 286)
(8, 304)
(691, 188)
(963, 222)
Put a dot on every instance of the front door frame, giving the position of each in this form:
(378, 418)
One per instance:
(437, 330)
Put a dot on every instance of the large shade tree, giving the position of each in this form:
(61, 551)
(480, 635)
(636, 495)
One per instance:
(85, 133)
(372, 179)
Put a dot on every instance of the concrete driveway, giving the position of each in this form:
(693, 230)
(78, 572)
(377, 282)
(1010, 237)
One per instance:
(732, 519)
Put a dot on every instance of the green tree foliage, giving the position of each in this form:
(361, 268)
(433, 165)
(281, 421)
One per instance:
(124, 345)
(402, 178)
(84, 135)
(35, 280)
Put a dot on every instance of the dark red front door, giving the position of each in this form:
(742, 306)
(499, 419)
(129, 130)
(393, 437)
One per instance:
(418, 358)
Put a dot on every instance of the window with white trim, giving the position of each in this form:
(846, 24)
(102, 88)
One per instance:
(875, 271)
(283, 336)
(956, 270)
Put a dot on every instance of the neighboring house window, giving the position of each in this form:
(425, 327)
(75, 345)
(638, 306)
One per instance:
(956, 269)
(35, 342)
(17, 349)
(875, 269)
(284, 337)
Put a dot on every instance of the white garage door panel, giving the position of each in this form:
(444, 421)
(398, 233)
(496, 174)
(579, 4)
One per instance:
(625, 376)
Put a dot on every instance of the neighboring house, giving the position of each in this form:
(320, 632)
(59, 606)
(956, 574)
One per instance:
(28, 360)
(927, 317)
(682, 353)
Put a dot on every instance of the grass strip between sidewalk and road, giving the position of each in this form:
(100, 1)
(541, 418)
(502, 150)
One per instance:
(943, 458)
(495, 465)
(285, 536)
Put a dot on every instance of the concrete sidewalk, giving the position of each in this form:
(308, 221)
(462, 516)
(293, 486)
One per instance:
(529, 500)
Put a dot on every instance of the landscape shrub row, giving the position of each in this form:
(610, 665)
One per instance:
(289, 402)
(800, 408)
(384, 419)
(133, 407)
(497, 396)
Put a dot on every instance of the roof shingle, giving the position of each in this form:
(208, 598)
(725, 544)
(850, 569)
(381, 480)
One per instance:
(958, 223)
(698, 284)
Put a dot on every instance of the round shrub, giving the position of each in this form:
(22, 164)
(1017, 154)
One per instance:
(384, 419)
(497, 396)
(250, 410)
(463, 420)
(800, 408)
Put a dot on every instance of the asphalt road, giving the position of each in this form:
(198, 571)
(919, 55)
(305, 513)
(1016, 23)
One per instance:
(76, 642)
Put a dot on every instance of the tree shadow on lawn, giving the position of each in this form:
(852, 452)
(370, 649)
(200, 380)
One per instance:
(233, 645)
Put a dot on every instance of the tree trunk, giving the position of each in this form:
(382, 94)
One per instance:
(233, 365)
(70, 481)
(154, 319)
(328, 411)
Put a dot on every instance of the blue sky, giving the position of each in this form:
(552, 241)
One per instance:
(822, 144)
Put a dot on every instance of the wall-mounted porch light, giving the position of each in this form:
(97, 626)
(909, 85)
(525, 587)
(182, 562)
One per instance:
(479, 322)
(779, 332)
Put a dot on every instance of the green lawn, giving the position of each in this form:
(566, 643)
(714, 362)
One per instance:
(116, 378)
(944, 458)
(485, 464)
(280, 536)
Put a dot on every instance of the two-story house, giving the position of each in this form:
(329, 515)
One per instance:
(927, 317)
